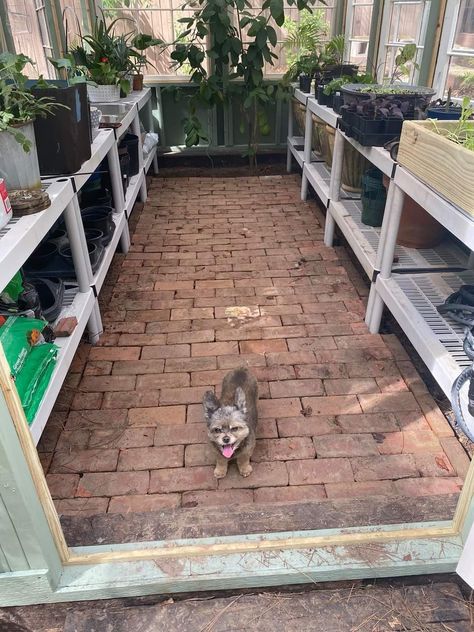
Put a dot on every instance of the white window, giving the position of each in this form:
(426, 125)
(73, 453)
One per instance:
(403, 22)
(358, 22)
(455, 67)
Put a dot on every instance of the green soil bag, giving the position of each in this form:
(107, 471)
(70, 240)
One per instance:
(34, 377)
(14, 288)
(18, 336)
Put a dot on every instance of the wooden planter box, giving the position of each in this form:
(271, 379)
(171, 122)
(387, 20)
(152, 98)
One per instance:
(446, 167)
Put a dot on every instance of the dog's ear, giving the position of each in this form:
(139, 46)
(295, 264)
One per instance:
(240, 400)
(210, 404)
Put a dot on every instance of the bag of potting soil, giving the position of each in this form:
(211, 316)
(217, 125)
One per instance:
(13, 289)
(34, 377)
(18, 336)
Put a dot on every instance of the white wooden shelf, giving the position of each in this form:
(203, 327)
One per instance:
(295, 145)
(364, 241)
(319, 177)
(20, 237)
(412, 299)
(326, 114)
(301, 96)
(378, 156)
(99, 277)
(103, 143)
(80, 305)
(132, 191)
(148, 158)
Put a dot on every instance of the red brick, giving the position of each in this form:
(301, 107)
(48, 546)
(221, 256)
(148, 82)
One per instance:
(79, 461)
(307, 426)
(456, 454)
(345, 445)
(311, 371)
(96, 419)
(434, 465)
(143, 339)
(388, 402)
(316, 471)
(278, 310)
(412, 420)
(191, 313)
(359, 341)
(376, 422)
(333, 405)
(153, 315)
(296, 388)
(328, 329)
(264, 475)
(214, 348)
(138, 367)
(181, 395)
(244, 359)
(392, 384)
(360, 489)
(290, 357)
(199, 454)
(143, 502)
(267, 429)
(273, 373)
(238, 334)
(203, 335)
(311, 344)
(130, 399)
(101, 383)
(62, 485)
(157, 415)
(437, 421)
(227, 498)
(428, 486)
(302, 319)
(175, 365)
(165, 351)
(351, 356)
(288, 407)
(397, 349)
(180, 434)
(291, 493)
(113, 484)
(99, 367)
(164, 380)
(214, 284)
(114, 353)
(87, 401)
(119, 438)
(152, 458)
(207, 378)
(390, 466)
(350, 386)
(81, 506)
(284, 332)
(373, 368)
(182, 479)
(408, 442)
(174, 285)
(283, 449)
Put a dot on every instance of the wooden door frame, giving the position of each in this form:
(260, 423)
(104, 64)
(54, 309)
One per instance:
(37, 566)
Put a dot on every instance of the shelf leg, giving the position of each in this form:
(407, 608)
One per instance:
(94, 324)
(336, 169)
(306, 153)
(151, 128)
(329, 228)
(136, 131)
(470, 263)
(116, 179)
(374, 319)
(386, 226)
(77, 241)
(125, 239)
(290, 135)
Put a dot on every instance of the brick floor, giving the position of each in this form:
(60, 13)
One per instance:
(224, 272)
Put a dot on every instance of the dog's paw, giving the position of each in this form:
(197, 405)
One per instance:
(246, 470)
(220, 472)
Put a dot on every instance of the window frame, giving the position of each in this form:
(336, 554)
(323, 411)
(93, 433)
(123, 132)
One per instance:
(349, 22)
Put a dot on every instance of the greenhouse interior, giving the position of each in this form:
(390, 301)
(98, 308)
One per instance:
(237, 304)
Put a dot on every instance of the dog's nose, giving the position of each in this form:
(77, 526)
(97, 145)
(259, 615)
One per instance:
(226, 439)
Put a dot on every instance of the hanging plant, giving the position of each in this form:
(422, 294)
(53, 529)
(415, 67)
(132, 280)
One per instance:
(239, 49)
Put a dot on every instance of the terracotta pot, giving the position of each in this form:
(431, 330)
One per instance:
(354, 165)
(330, 135)
(418, 229)
(137, 83)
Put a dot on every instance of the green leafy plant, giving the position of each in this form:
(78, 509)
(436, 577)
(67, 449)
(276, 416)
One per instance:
(238, 51)
(68, 69)
(336, 84)
(305, 36)
(139, 44)
(462, 132)
(17, 105)
(403, 61)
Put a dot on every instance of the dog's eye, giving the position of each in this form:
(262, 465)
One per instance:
(217, 430)
(234, 429)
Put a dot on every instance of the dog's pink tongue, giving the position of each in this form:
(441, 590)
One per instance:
(228, 451)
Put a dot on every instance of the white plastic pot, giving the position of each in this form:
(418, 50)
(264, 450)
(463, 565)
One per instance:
(19, 168)
(103, 94)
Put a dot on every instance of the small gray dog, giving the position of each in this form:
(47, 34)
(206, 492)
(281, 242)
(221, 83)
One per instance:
(232, 421)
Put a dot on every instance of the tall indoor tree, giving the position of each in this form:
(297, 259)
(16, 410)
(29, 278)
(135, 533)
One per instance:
(237, 40)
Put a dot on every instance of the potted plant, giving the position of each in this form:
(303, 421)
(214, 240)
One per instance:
(18, 110)
(444, 110)
(70, 127)
(373, 114)
(139, 44)
(106, 60)
(441, 154)
(330, 94)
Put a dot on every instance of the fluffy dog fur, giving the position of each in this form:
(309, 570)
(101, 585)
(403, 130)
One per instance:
(232, 421)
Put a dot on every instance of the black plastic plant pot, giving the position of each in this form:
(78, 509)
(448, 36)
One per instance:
(337, 102)
(96, 197)
(366, 125)
(325, 99)
(99, 218)
(443, 114)
(371, 140)
(43, 254)
(305, 83)
(94, 236)
(412, 99)
(337, 70)
(130, 141)
(63, 137)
